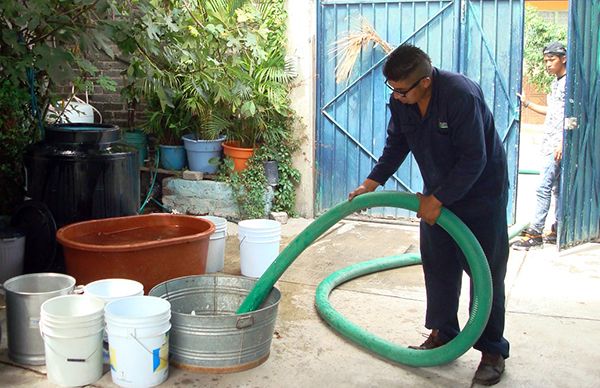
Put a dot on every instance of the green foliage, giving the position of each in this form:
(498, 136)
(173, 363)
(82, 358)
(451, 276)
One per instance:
(213, 67)
(170, 123)
(249, 187)
(15, 134)
(281, 150)
(55, 39)
(223, 61)
(45, 45)
(538, 33)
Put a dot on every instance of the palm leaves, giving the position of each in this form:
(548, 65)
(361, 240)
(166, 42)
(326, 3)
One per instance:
(221, 60)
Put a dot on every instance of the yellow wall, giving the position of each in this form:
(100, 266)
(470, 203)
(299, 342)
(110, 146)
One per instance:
(549, 5)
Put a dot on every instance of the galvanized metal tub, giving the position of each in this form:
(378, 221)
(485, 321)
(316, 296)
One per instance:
(24, 297)
(206, 334)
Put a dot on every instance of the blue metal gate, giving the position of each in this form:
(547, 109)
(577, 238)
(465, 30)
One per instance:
(580, 185)
(482, 39)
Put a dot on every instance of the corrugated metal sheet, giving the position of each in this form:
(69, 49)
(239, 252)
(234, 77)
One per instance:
(580, 186)
(482, 39)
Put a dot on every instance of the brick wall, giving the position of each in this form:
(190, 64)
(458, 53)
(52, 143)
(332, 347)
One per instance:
(110, 104)
(527, 115)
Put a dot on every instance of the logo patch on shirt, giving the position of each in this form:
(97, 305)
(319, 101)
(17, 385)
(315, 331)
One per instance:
(443, 127)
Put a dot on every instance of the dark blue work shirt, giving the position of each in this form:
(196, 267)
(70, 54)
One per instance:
(456, 146)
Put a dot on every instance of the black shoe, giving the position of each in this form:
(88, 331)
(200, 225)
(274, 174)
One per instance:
(490, 369)
(528, 242)
(432, 342)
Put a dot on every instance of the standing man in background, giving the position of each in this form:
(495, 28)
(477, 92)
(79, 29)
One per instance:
(555, 58)
(442, 118)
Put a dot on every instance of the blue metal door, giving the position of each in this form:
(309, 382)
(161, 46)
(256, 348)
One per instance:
(492, 54)
(482, 39)
(580, 186)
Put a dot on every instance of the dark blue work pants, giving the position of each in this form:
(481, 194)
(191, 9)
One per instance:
(443, 263)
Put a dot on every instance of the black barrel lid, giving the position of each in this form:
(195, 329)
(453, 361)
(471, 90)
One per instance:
(81, 133)
(34, 219)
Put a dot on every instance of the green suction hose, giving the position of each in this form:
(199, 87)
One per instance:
(481, 278)
(412, 357)
(526, 171)
(356, 334)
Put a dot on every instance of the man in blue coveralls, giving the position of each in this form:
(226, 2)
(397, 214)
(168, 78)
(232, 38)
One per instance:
(442, 118)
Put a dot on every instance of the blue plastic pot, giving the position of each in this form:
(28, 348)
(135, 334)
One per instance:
(172, 157)
(203, 155)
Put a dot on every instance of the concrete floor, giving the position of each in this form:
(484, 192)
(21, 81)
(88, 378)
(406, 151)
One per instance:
(553, 320)
(553, 315)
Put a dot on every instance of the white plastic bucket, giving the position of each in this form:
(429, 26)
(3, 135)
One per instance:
(259, 245)
(112, 289)
(109, 290)
(78, 112)
(215, 260)
(138, 336)
(71, 326)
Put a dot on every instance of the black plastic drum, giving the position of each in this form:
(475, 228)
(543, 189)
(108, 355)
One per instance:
(82, 172)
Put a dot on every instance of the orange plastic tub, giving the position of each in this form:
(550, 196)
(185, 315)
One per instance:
(150, 248)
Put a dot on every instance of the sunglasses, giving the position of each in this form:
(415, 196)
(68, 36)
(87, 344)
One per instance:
(401, 92)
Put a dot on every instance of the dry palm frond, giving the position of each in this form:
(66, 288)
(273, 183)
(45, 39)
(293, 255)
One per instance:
(349, 46)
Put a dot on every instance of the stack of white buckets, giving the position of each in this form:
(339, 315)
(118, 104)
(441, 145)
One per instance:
(72, 326)
(137, 328)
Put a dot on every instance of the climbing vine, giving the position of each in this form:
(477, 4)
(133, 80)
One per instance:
(250, 186)
(277, 141)
(289, 177)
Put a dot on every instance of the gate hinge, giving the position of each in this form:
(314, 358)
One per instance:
(570, 123)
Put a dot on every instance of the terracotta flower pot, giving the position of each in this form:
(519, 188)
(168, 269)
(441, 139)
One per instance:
(239, 155)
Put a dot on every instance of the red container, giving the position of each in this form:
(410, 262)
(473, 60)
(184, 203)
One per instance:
(150, 248)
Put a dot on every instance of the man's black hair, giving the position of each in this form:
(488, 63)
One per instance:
(407, 61)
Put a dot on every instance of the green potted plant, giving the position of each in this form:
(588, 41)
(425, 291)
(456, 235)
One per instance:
(224, 62)
(131, 134)
(204, 141)
(248, 77)
(167, 125)
(167, 60)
